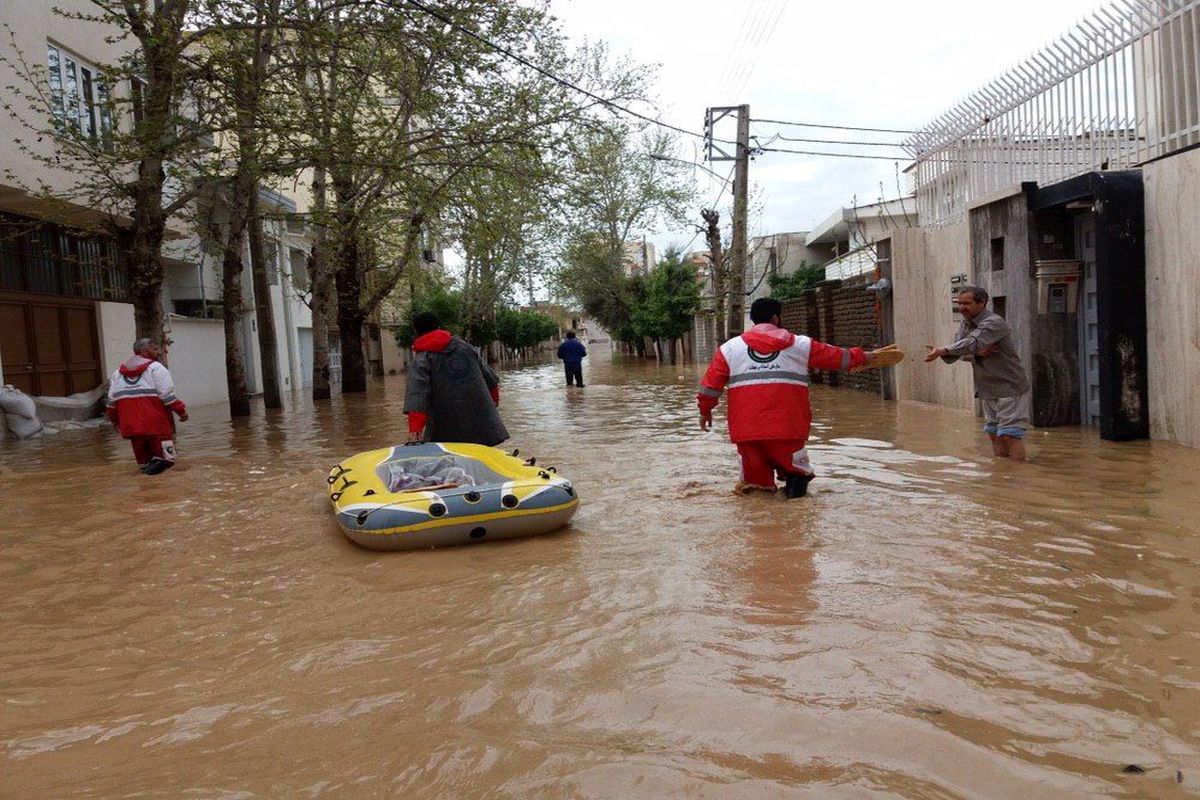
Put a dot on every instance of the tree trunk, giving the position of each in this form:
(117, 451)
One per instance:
(263, 312)
(146, 280)
(350, 316)
(231, 295)
(716, 256)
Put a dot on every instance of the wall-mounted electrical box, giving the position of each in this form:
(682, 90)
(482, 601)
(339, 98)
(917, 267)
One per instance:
(1057, 285)
(957, 282)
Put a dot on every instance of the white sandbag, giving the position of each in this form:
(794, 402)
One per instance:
(20, 412)
(76, 407)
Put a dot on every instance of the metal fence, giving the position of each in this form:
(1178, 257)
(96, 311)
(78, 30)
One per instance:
(1118, 90)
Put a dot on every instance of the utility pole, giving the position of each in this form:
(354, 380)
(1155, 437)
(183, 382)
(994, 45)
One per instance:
(741, 168)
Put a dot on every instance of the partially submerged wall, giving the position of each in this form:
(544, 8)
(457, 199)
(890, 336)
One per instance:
(1172, 197)
(923, 261)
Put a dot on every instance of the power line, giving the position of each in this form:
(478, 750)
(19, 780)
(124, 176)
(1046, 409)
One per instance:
(831, 127)
(833, 155)
(781, 137)
(562, 81)
(731, 60)
(760, 45)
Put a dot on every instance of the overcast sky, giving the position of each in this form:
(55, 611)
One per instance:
(872, 63)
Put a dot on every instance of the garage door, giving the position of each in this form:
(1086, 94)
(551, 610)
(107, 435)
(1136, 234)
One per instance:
(49, 347)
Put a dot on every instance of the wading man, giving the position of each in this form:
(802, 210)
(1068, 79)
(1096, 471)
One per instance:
(1000, 381)
(141, 398)
(766, 370)
(452, 393)
(572, 352)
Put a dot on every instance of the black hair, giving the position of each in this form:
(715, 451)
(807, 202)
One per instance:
(762, 309)
(425, 322)
(570, 334)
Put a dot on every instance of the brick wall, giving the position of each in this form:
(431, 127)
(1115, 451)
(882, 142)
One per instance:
(840, 313)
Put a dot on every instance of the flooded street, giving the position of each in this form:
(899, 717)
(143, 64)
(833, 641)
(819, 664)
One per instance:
(927, 623)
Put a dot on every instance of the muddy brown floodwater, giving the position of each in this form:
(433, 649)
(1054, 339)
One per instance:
(927, 623)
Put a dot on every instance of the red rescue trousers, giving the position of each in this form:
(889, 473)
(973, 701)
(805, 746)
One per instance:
(147, 447)
(763, 460)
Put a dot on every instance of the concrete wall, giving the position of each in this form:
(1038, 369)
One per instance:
(117, 332)
(394, 360)
(197, 360)
(1172, 195)
(923, 260)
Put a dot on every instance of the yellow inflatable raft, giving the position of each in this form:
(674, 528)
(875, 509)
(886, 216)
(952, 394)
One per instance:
(431, 495)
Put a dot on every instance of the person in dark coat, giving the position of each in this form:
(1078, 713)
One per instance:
(452, 393)
(572, 352)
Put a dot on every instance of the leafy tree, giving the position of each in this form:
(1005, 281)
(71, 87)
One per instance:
(786, 287)
(522, 330)
(671, 299)
(446, 303)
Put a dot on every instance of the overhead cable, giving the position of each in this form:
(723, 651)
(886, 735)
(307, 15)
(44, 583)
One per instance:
(833, 155)
(831, 127)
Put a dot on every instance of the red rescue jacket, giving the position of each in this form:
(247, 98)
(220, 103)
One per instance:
(766, 370)
(141, 397)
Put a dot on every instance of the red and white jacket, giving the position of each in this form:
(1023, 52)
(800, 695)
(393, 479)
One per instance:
(766, 370)
(141, 397)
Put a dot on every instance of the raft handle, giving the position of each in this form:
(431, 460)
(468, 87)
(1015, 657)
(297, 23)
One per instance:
(531, 461)
(552, 469)
(368, 492)
(515, 452)
(544, 475)
(361, 518)
(335, 496)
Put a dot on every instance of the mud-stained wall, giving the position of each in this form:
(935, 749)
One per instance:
(1172, 195)
(923, 261)
(840, 313)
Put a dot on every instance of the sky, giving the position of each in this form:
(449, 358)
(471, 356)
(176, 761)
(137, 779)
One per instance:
(872, 63)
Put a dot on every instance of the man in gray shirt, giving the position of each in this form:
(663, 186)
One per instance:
(985, 339)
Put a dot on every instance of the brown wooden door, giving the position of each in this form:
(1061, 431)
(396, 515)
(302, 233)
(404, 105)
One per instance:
(49, 347)
(83, 347)
(16, 346)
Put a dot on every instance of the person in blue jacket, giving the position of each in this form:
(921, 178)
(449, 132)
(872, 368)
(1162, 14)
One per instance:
(572, 353)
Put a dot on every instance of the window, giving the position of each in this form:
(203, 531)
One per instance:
(997, 253)
(38, 256)
(298, 260)
(79, 96)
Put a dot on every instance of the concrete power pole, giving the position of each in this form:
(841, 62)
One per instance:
(741, 168)
(737, 271)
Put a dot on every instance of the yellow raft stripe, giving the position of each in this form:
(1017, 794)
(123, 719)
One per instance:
(446, 521)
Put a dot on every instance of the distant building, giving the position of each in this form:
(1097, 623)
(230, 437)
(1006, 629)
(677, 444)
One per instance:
(638, 258)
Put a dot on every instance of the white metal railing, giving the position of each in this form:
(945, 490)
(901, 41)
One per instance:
(1118, 90)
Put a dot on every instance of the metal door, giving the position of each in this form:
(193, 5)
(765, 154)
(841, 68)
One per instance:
(1089, 326)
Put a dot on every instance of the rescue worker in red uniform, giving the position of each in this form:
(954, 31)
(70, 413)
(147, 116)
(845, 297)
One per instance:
(766, 370)
(141, 397)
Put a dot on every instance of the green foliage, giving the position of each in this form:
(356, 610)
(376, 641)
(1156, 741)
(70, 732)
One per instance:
(785, 287)
(670, 300)
(446, 303)
(523, 329)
